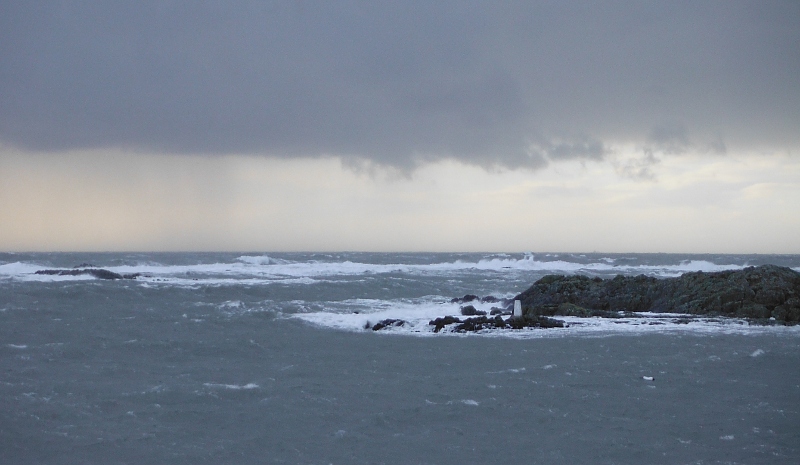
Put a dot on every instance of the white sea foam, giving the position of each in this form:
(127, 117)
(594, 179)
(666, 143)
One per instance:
(262, 260)
(18, 268)
(234, 387)
(362, 314)
(605, 265)
(356, 314)
(470, 402)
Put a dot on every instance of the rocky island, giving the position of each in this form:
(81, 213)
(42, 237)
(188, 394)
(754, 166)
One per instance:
(766, 294)
(761, 292)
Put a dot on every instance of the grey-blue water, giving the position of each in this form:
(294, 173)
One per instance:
(262, 358)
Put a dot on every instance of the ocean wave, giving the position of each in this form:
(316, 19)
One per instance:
(605, 265)
(269, 269)
(262, 260)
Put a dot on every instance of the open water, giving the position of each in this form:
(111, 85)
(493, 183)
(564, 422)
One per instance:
(253, 358)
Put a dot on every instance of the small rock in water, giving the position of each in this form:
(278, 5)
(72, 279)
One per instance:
(387, 323)
(465, 299)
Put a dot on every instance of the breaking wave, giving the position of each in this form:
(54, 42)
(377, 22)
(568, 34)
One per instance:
(265, 269)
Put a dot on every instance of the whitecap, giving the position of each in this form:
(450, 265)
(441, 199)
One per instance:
(234, 387)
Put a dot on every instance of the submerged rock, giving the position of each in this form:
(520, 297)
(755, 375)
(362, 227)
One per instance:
(761, 292)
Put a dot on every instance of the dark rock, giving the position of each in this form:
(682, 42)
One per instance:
(96, 272)
(489, 299)
(483, 322)
(387, 323)
(440, 323)
(479, 323)
(465, 299)
(497, 311)
(469, 310)
(534, 321)
(104, 274)
(754, 292)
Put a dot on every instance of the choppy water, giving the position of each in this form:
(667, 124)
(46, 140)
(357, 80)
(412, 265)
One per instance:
(253, 358)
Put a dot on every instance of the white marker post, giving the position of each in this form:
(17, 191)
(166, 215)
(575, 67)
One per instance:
(517, 308)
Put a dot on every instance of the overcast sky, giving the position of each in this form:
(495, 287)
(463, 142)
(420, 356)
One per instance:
(451, 125)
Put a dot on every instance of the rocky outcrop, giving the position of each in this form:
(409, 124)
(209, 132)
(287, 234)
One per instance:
(96, 272)
(761, 292)
(484, 322)
(485, 299)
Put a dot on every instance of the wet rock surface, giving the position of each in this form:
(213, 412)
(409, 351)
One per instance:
(757, 293)
(470, 310)
(484, 322)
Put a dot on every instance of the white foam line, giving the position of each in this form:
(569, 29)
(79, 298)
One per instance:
(235, 387)
(576, 326)
(470, 402)
(264, 267)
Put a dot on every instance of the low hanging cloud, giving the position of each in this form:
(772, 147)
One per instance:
(671, 140)
(400, 84)
(581, 149)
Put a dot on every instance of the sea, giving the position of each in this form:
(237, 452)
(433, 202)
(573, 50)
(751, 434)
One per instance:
(270, 358)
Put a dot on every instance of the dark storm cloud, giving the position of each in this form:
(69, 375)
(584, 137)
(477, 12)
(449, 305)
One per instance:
(400, 83)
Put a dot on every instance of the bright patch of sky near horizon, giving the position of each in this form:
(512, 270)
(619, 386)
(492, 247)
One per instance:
(101, 200)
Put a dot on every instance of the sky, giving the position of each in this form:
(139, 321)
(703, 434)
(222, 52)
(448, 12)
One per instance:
(607, 126)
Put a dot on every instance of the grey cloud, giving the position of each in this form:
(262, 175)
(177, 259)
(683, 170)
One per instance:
(671, 139)
(582, 149)
(399, 83)
(674, 139)
(716, 146)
